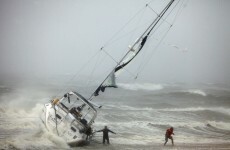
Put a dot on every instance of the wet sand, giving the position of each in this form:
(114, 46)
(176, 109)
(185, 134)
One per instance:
(113, 146)
(200, 146)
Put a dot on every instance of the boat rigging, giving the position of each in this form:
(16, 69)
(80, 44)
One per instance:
(72, 116)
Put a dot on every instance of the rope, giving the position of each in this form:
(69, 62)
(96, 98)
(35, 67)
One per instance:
(173, 9)
(158, 14)
(101, 49)
(109, 55)
(151, 34)
(99, 61)
(179, 10)
(141, 67)
(92, 72)
(122, 28)
(154, 50)
(75, 75)
(112, 40)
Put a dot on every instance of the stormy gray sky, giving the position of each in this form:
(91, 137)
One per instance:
(45, 38)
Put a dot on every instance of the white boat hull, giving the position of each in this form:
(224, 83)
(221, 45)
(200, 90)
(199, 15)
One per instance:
(60, 121)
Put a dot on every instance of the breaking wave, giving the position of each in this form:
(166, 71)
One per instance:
(22, 129)
(143, 86)
(20, 124)
(130, 108)
(193, 125)
(197, 92)
(194, 109)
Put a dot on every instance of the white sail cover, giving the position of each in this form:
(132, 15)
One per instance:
(110, 81)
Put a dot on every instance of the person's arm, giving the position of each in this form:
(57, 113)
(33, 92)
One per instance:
(99, 130)
(111, 131)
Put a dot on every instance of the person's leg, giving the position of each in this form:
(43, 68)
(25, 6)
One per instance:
(166, 139)
(108, 140)
(103, 140)
(172, 141)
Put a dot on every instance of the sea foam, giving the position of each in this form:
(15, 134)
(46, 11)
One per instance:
(141, 86)
(197, 92)
(193, 109)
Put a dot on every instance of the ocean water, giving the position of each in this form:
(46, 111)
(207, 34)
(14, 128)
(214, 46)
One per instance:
(139, 113)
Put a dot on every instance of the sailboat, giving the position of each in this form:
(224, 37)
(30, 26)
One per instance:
(72, 116)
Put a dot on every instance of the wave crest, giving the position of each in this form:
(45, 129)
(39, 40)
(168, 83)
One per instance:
(194, 109)
(143, 86)
(197, 92)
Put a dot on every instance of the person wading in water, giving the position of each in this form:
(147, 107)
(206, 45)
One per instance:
(106, 134)
(168, 135)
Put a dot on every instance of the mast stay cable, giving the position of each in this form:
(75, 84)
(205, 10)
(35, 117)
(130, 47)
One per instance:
(143, 39)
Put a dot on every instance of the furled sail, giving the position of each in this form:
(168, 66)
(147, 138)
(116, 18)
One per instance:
(111, 79)
(109, 82)
(133, 51)
(131, 54)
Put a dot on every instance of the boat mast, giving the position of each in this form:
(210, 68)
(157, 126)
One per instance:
(148, 31)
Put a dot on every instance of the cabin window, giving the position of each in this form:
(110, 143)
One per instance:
(73, 129)
(74, 137)
(83, 121)
(58, 116)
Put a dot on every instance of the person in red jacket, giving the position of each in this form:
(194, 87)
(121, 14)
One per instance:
(168, 135)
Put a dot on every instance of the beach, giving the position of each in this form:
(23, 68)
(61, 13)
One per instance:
(138, 113)
(204, 146)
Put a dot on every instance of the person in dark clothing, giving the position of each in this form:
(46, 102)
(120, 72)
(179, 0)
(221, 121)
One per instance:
(106, 134)
(168, 135)
(88, 132)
